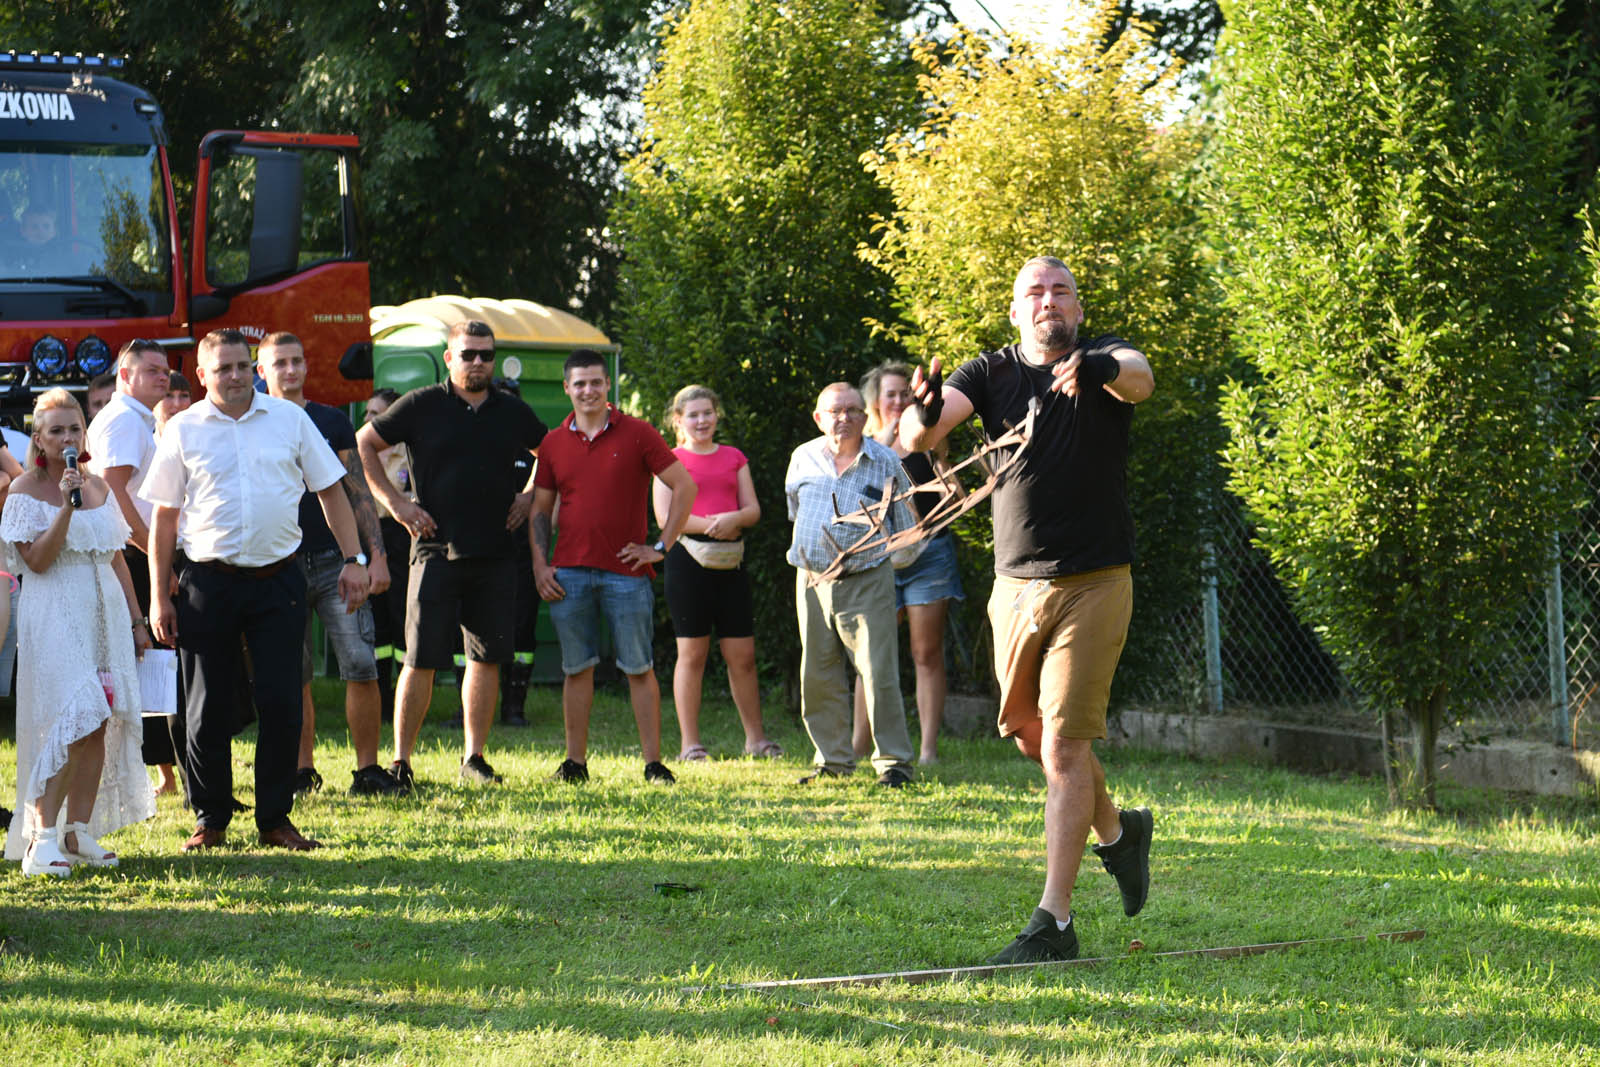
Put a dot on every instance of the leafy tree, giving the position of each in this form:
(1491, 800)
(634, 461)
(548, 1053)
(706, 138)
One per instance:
(491, 134)
(740, 221)
(1390, 178)
(1030, 149)
(1186, 30)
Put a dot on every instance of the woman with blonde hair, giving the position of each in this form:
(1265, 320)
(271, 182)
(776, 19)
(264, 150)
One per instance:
(78, 632)
(922, 591)
(707, 586)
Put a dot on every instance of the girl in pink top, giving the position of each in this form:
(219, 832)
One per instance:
(700, 598)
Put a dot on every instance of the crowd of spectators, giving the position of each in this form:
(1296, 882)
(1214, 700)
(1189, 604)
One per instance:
(448, 499)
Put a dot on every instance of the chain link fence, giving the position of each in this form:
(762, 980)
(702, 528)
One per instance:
(1242, 652)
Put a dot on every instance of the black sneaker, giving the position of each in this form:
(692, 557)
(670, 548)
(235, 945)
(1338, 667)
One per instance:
(1128, 860)
(571, 771)
(400, 771)
(373, 781)
(476, 771)
(656, 771)
(821, 772)
(307, 780)
(1040, 941)
(895, 778)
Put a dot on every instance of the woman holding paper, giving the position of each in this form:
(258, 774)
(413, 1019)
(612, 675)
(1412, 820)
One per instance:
(78, 714)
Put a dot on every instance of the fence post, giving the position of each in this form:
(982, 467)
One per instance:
(1213, 634)
(1556, 639)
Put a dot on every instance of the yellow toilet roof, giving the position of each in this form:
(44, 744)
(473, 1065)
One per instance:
(514, 322)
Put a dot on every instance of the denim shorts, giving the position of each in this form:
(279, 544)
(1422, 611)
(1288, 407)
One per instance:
(628, 604)
(932, 578)
(350, 634)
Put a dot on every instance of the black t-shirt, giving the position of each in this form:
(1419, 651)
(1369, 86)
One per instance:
(335, 427)
(466, 465)
(1064, 509)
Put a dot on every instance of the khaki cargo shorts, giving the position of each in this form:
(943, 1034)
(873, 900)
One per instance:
(1056, 646)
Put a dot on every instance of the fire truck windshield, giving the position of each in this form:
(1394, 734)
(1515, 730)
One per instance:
(84, 217)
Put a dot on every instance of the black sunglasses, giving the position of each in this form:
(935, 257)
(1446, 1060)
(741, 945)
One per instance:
(476, 355)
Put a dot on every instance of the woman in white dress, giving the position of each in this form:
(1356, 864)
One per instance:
(78, 727)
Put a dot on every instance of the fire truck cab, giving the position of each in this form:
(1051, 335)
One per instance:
(91, 253)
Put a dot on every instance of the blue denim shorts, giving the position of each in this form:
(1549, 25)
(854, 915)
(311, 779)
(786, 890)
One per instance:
(932, 578)
(351, 635)
(626, 602)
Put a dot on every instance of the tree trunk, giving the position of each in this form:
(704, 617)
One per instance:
(1427, 715)
(1391, 757)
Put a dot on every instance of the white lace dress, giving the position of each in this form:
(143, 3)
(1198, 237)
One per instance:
(72, 622)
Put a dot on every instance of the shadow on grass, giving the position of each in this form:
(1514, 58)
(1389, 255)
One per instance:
(507, 944)
(530, 911)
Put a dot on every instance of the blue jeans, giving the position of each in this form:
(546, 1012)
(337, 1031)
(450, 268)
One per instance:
(628, 604)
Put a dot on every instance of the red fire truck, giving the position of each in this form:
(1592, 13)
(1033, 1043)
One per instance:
(91, 254)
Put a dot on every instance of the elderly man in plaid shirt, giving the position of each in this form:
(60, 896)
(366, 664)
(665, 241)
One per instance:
(847, 625)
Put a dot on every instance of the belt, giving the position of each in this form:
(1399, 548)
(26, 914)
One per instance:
(266, 571)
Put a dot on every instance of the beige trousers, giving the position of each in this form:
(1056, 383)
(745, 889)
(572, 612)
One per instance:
(848, 626)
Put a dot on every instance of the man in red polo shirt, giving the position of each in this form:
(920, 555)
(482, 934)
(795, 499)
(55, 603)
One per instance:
(598, 463)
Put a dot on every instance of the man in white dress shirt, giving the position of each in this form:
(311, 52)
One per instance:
(236, 464)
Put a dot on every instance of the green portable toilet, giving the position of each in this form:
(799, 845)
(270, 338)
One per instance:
(531, 343)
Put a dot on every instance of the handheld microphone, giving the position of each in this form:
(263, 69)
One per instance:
(75, 496)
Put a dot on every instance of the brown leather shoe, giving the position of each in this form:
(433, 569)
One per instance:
(204, 838)
(286, 836)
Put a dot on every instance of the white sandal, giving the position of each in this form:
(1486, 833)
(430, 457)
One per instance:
(44, 855)
(89, 850)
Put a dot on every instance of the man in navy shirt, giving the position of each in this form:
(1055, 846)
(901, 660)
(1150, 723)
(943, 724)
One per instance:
(1063, 543)
(281, 360)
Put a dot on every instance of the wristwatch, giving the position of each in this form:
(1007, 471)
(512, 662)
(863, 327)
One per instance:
(359, 559)
(661, 547)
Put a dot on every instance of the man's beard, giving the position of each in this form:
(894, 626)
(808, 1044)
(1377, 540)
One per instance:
(1055, 335)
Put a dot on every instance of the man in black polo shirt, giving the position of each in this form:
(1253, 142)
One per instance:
(1063, 543)
(465, 438)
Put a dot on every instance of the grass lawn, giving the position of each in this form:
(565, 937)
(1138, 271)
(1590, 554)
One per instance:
(520, 924)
